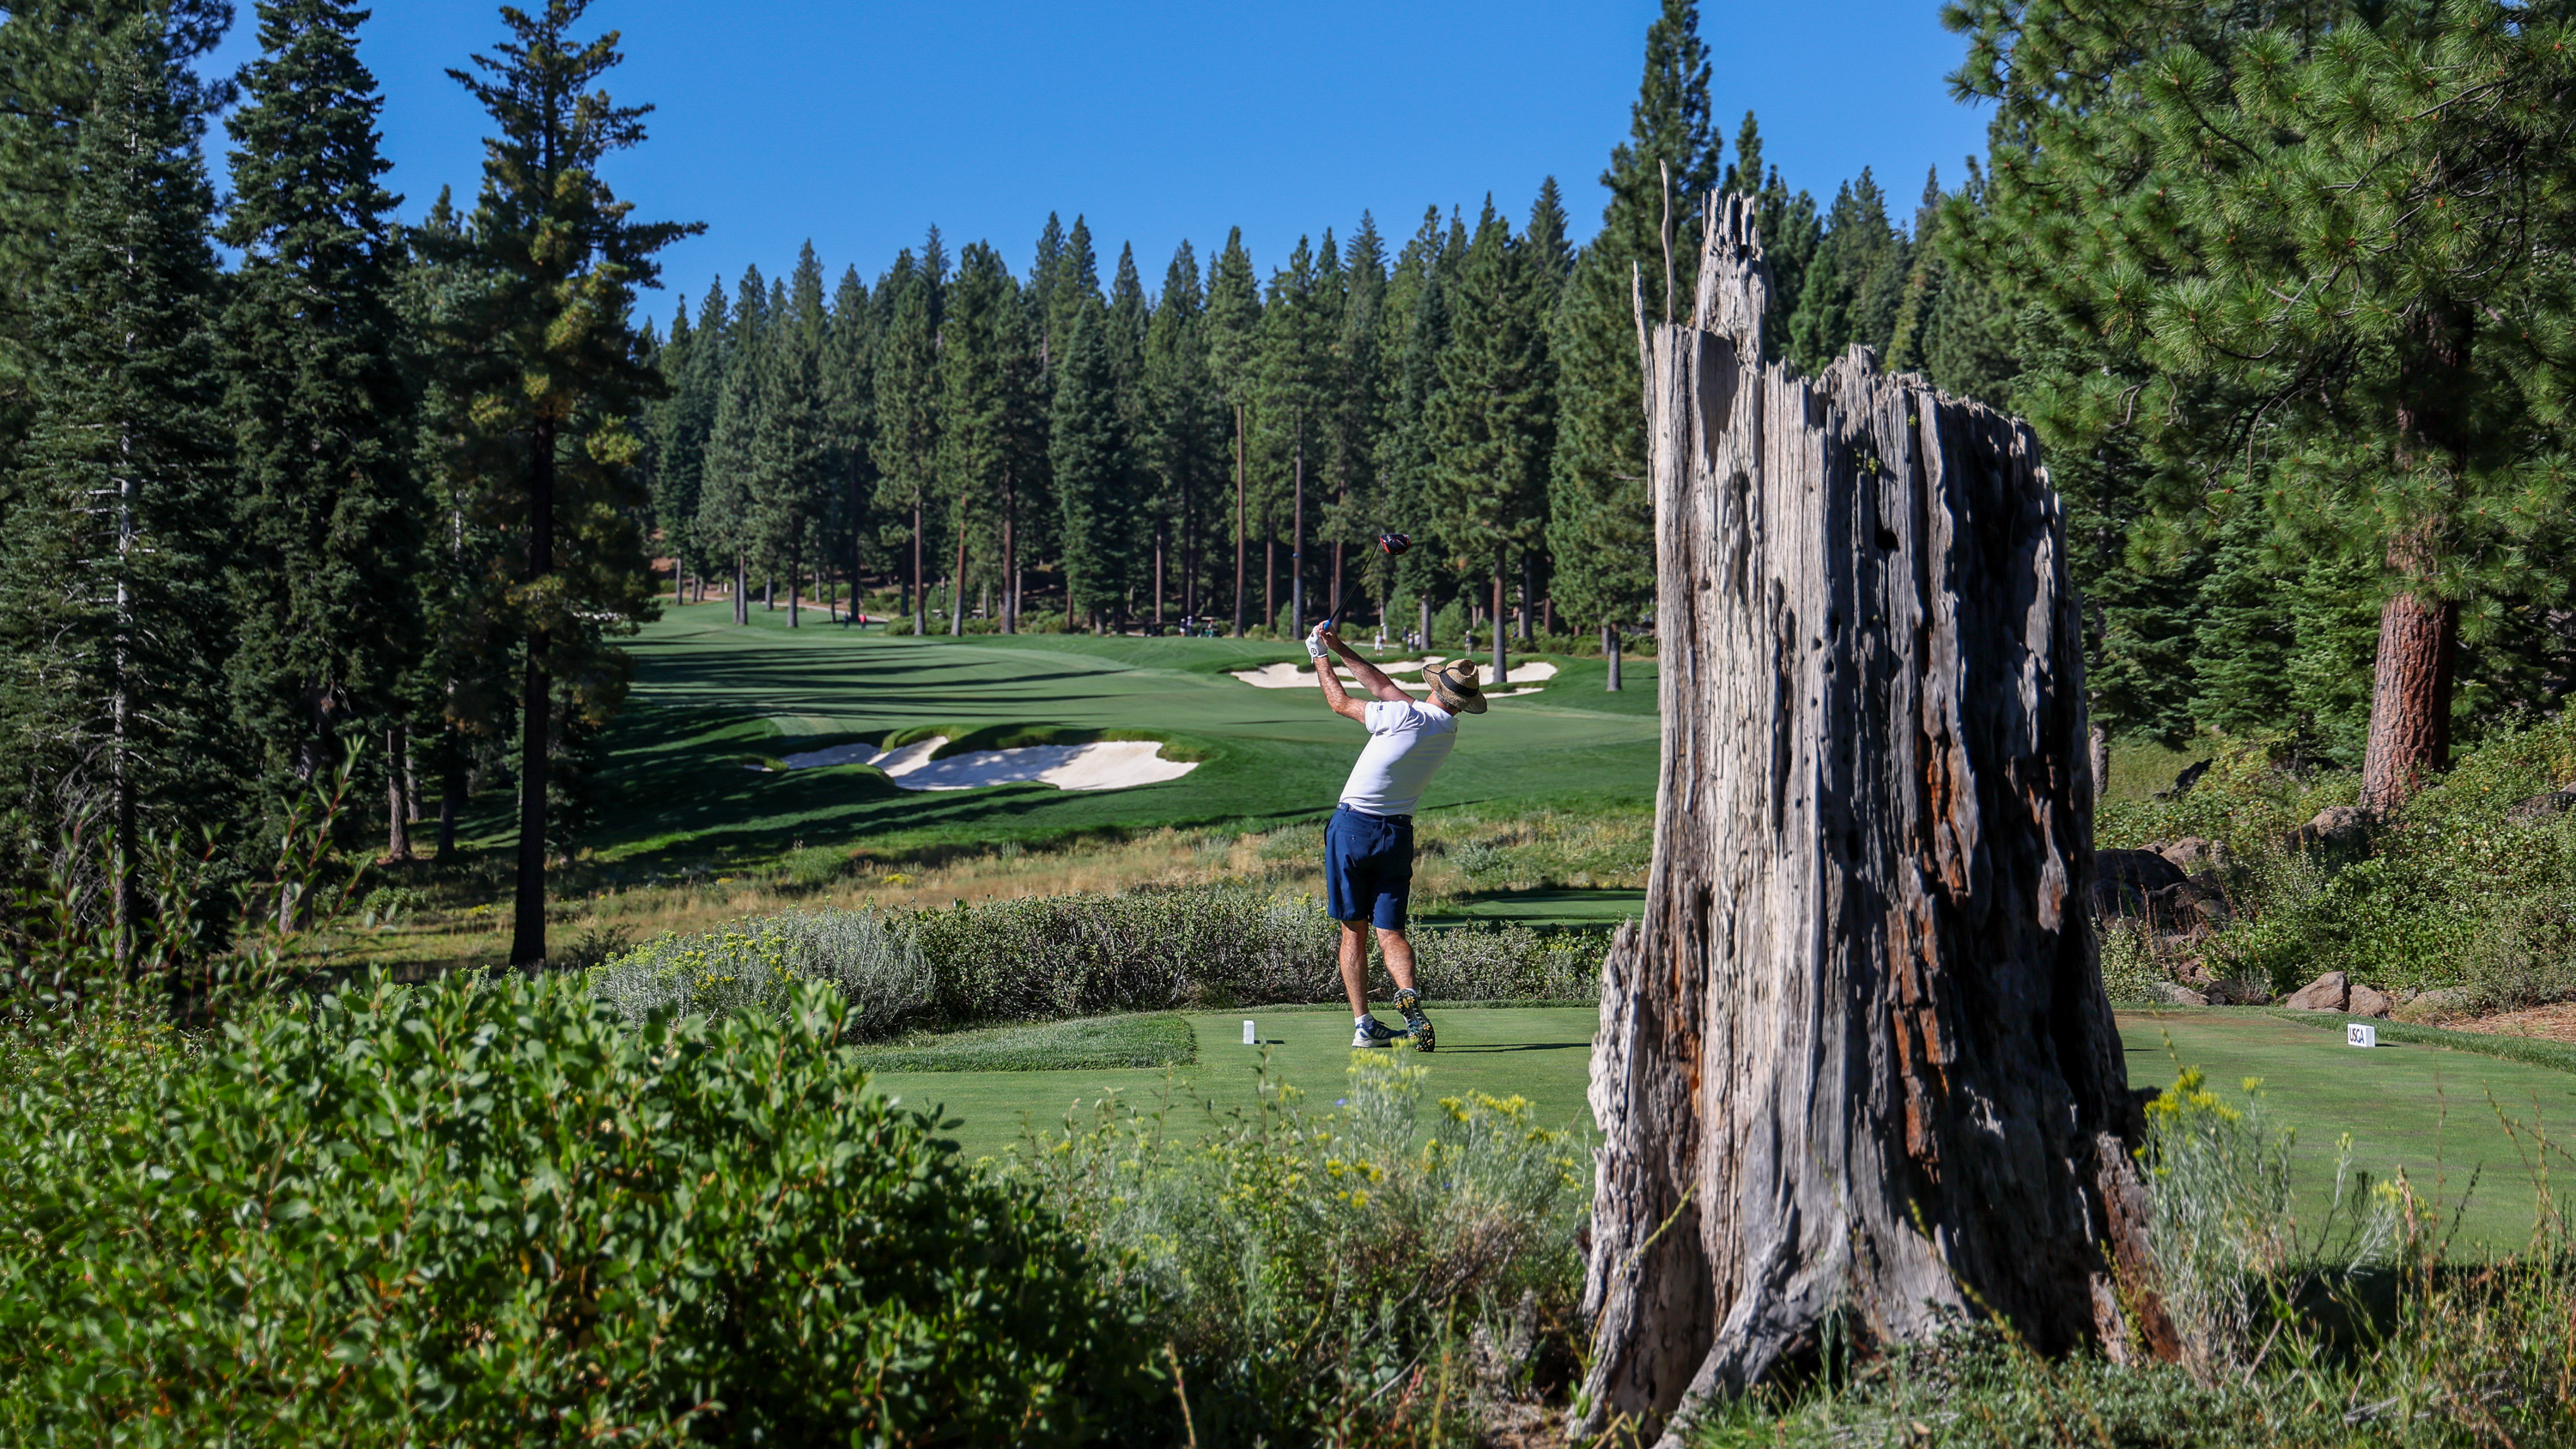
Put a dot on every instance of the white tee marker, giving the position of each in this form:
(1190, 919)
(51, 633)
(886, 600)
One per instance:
(2358, 1033)
(1249, 1039)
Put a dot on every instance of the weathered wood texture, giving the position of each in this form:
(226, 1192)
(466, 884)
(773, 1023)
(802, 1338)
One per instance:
(1856, 1060)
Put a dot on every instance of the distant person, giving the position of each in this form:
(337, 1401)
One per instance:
(1368, 846)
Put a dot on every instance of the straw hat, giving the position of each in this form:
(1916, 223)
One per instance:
(1454, 687)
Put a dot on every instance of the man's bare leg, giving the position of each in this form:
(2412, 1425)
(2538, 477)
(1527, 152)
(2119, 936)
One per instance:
(1355, 966)
(1399, 957)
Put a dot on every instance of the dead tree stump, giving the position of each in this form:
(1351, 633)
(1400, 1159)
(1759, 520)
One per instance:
(1856, 1061)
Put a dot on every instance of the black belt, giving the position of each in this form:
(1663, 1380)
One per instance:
(1370, 815)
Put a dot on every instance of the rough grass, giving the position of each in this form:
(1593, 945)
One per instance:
(439, 916)
(1153, 1039)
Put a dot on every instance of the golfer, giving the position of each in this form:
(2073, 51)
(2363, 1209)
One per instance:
(1368, 847)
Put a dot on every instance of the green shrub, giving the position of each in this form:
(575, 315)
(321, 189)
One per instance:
(762, 965)
(2448, 893)
(1304, 1262)
(492, 1213)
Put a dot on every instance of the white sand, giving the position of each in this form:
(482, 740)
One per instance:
(1107, 765)
(1290, 676)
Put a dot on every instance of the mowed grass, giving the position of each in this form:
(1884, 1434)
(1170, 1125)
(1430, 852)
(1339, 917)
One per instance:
(1540, 1053)
(1145, 1039)
(2457, 1124)
(711, 700)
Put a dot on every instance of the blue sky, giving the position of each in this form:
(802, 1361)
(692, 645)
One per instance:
(858, 125)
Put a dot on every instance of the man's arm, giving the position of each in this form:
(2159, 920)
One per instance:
(1370, 676)
(1336, 698)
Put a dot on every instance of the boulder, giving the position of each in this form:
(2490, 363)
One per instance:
(2182, 782)
(2327, 993)
(2194, 856)
(2124, 880)
(2362, 1001)
(2174, 993)
(2536, 808)
(2337, 827)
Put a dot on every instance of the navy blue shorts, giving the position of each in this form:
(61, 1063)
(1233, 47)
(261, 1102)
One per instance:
(1368, 867)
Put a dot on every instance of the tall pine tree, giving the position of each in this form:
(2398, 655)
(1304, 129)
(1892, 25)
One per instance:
(114, 640)
(1601, 523)
(327, 511)
(564, 261)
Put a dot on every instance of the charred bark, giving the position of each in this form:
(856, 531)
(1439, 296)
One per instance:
(1856, 1062)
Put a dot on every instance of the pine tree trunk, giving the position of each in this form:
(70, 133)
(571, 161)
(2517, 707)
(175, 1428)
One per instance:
(1501, 665)
(1270, 581)
(1610, 654)
(1297, 541)
(1424, 604)
(957, 592)
(795, 580)
(1239, 537)
(920, 603)
(741, 588)
(528, 916)
(1855, 1063)
(397, 807)
(1158, 578)
(1010, 559)
(2097, 742)
(2410, 699)
(451, 799)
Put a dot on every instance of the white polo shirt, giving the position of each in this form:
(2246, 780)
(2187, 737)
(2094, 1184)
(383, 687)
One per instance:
(1407, 741)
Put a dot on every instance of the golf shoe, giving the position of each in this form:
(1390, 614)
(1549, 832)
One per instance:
(1409, 1001)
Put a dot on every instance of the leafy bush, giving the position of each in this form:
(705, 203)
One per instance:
(492, 1213)
(1316, 1270)
(761, 966)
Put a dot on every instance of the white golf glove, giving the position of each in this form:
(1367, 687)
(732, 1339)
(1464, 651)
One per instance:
(1315, 645)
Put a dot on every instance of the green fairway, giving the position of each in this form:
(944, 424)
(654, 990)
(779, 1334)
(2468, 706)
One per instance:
(1542, 1053)
(713, 701)
(1559, 907)
(2420, 1108)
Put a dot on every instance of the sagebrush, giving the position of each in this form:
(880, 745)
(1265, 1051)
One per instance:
(1037, 958)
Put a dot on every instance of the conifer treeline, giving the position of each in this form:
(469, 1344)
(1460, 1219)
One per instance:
(369, 500)
(1047, 449)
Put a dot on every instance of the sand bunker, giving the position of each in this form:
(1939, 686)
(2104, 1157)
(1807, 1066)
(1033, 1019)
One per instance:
(1290, 676)
(1106, 765)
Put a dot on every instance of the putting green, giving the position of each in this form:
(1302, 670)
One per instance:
(2429, 1111)
(712, 700)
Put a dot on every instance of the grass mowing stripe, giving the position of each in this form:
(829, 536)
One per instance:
(2511, 1048)
(1159, 1039)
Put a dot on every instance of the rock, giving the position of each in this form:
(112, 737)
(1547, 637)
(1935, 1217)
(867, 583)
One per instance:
(2537, 808)
(2337, 827)
(2183, 782)
(2123, 880)
(2174, 993)
(2362, 1001)
(2438, 1005)
(2193, 855)
(2326, 993)
(2238, 992)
